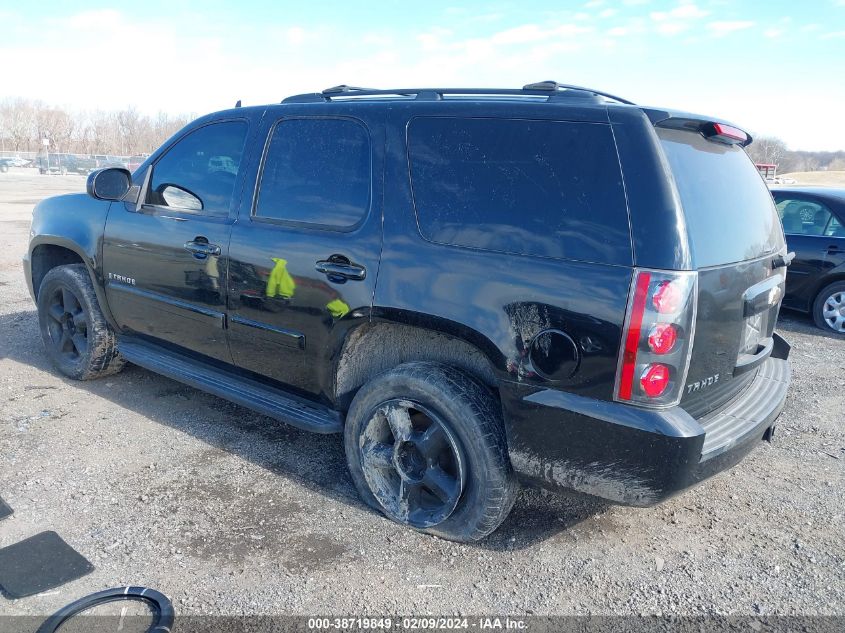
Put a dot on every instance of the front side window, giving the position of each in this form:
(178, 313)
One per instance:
(802, 217)
(198, 173)
(317, 172)
(527, 187)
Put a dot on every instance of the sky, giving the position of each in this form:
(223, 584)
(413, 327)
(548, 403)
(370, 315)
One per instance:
(775, 68)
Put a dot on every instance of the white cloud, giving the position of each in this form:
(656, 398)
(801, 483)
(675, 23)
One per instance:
(531, 33)
(832, 35)
(726, 27)
(681, 12)
(209, 65)
(678, 19)
(773, 33)
(607, 13)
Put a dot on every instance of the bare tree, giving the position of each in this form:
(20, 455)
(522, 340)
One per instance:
(767, 149)
(17, 121)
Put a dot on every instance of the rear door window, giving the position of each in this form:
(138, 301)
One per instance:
(728, 208)
(316, 172)
(543, 188)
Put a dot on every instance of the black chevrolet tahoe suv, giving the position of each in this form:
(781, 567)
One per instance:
(471, 285)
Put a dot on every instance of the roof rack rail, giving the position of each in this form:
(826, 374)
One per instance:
(553, 86)
(552, 90)
(342, 88)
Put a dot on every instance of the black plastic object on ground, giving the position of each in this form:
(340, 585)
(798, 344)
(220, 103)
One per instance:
(160, 604)
(5, 509)
(39, 563)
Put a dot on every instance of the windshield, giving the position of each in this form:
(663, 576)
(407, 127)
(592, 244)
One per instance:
(729, 211)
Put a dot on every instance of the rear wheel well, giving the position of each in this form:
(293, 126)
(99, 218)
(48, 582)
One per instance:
(45, 257)
(372, 349)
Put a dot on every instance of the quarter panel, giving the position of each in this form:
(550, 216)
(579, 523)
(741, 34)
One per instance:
(506, 299)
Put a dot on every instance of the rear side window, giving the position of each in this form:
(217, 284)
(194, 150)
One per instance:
(729, 211)
(546, 188)
(316, 171)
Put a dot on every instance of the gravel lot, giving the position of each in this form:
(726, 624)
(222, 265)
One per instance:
(228, 512)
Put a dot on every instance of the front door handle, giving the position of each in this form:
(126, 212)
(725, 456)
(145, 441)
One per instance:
(202, 249)
(340, 270)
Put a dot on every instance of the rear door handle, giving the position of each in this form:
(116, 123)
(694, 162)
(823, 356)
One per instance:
(835, 249)
(341, 270)
(202, 249)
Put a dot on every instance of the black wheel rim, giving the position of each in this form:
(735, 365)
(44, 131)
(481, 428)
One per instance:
(412, 462)
(67, 324)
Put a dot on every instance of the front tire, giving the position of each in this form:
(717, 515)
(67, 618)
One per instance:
(829, 308)
(425, 445)
(76, 335)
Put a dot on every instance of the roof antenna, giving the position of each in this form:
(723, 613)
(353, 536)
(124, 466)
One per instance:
(238, 104)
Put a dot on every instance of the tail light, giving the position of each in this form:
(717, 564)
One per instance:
(657, 338)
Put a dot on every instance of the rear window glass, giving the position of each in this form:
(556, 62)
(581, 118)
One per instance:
(728, 208)
(546, 188)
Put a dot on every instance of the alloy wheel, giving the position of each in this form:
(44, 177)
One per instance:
(67, 324)
(413, 463)
(833, 311)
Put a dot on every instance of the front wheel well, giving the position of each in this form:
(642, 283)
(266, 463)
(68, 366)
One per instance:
(45, 257)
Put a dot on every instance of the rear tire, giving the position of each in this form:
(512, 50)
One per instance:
(446, 470)
(829, 308)
(76, 335)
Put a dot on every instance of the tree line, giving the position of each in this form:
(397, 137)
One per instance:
(773, 151)
(25, 122)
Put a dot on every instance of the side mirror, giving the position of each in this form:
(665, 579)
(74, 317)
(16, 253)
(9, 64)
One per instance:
(112, 183)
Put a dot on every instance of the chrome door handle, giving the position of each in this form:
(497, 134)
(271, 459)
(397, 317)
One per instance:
(341, 270)
(202, 249)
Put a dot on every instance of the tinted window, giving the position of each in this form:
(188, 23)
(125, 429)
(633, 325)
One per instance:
(198, 173)
(802, 217)
(835, 228)
(546, 188)
(729, 211)
(316, 171)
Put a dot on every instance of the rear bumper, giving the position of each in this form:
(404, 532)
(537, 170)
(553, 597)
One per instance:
(636, 456)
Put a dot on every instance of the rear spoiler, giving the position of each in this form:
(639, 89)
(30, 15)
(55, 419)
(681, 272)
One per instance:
(711, 129)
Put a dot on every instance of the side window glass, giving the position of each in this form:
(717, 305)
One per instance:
(543, 188)
(198, 174)
(835, 228)
(802, 217)
(316, 171)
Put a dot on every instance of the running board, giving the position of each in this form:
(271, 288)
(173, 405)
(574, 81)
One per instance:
(251, 394)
